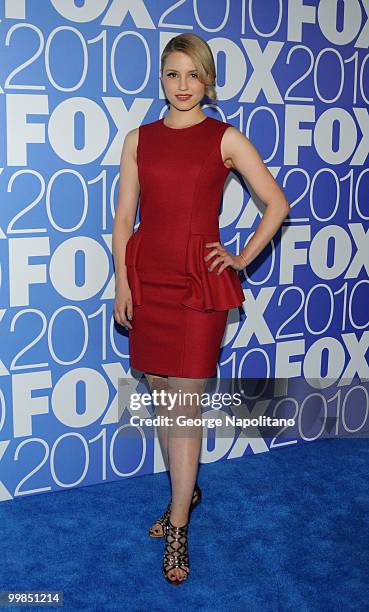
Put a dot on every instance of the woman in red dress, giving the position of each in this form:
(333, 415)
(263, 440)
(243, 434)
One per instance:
(175, 281)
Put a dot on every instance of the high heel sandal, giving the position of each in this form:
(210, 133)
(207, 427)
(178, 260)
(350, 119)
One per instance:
(176, 556)
(163, 520)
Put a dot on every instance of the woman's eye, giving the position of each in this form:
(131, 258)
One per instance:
(175, 74)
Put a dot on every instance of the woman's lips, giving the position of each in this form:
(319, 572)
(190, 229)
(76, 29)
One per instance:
(183, 97)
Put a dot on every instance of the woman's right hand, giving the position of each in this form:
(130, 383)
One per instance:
(123, 307)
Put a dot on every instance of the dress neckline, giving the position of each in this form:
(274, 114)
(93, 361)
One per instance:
(189, 127)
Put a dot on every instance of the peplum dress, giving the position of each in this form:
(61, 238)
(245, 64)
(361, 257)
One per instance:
(180, 309)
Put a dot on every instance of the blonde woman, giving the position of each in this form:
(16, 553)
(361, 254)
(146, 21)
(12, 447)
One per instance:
(175, 281)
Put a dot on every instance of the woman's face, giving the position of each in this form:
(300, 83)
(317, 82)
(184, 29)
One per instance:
(180, 78)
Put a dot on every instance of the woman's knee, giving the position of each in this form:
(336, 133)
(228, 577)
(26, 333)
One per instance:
(186, 394)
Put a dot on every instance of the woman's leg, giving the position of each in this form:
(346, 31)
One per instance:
(158, 383)
(184, 447)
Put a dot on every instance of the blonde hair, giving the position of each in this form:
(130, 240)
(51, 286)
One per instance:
(200, 53)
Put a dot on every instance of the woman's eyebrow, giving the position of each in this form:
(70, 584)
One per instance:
(174, 70)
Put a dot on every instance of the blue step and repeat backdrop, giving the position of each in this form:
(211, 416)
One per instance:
(76, 76)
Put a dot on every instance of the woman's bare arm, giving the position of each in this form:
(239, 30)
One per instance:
(244, 157)
(125, 215)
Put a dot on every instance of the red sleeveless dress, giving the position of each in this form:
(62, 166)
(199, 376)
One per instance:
(180, 309)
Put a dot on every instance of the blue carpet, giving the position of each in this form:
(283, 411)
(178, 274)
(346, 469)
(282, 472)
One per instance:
(278, 531)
